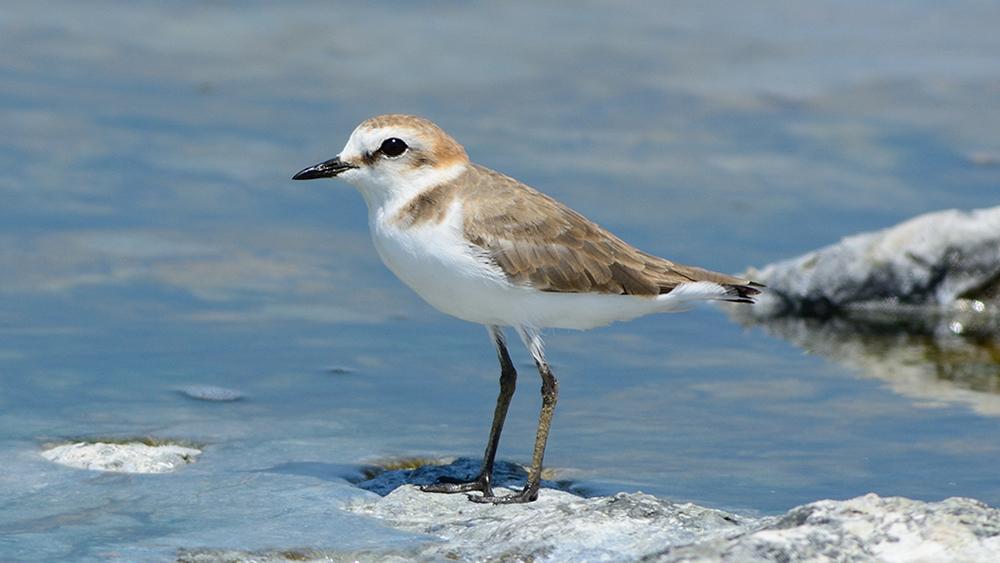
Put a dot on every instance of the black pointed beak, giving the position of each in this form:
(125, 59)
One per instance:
(328, 169)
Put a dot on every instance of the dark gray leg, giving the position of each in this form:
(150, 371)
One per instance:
(508, 380)
(550, 394)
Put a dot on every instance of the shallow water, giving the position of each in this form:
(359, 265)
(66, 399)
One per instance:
(151, 240)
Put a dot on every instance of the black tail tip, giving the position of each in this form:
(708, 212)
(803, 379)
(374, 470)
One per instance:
(744, 293)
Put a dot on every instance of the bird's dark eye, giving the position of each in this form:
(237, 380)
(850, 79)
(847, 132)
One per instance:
(393, 147)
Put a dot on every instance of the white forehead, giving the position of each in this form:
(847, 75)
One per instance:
(430, 146)
(416, 132)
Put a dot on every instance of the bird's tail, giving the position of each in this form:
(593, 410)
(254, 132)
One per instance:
(743, 292)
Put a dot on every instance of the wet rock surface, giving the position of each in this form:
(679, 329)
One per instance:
(863, 529)
(561, 527)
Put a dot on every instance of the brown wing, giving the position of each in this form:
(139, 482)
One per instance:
(540, 242)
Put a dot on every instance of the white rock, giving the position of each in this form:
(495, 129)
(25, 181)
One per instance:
(560, 527)
(133, 457)
(932, 260)
(866, 529)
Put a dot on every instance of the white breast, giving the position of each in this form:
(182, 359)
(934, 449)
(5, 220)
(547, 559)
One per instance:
(436, 261)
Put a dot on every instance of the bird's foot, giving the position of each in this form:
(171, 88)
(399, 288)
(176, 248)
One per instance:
(516, 498)
(481, 484)
(451, 485)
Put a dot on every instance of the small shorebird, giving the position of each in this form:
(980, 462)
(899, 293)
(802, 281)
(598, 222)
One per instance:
(488, 249)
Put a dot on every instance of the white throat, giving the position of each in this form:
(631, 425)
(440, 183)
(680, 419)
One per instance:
(387, 190)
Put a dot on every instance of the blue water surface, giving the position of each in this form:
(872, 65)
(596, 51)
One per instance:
(151, 239)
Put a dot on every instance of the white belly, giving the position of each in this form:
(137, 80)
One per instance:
(454, 277)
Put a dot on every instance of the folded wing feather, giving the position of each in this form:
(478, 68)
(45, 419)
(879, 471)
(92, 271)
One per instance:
(540, 242)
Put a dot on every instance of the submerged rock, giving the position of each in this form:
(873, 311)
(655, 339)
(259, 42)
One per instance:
(209, 393)
(127, 457)
(505, 474)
